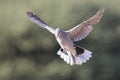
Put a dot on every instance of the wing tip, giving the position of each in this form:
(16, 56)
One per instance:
(101, 11)
(30, 13)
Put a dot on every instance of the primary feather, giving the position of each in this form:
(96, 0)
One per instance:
(33, 17)
(83, 29)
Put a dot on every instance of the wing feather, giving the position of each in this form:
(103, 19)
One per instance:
(82, 30)
(34, 18)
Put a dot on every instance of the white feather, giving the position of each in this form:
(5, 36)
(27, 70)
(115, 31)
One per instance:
(68, 60)
(65, 57)
(87, 58)
(82, 58)
(79, 59)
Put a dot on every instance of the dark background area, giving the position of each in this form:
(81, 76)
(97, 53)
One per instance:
(28, 52)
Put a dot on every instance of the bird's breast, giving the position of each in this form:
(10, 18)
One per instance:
(65, 42)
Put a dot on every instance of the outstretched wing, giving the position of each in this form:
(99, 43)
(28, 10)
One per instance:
(33, 17)
(82, 30)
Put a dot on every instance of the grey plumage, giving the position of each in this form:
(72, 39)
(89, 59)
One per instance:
(69, 52)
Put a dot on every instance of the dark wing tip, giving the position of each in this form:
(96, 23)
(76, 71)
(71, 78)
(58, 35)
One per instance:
(32, 16)
(30, 13)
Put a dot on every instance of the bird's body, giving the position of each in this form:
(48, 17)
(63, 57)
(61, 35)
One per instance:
(66, 43)
(64, 40)
(70, 52)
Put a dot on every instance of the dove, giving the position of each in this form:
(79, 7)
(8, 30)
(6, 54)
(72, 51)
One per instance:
(70, 52)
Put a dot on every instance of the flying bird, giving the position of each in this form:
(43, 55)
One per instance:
(69, 51)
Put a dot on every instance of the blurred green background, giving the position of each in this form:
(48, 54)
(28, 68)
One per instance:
(28, 52)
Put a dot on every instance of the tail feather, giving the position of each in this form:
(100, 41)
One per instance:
(64, 55)
(78, 61)
(81, 57)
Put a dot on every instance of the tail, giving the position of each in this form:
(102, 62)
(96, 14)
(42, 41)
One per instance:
(63, 54)
(81, 57)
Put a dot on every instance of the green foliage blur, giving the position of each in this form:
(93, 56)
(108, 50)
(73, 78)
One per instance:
(28, 52)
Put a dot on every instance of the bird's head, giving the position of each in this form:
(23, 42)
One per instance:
(58, 32)
(57, 29)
